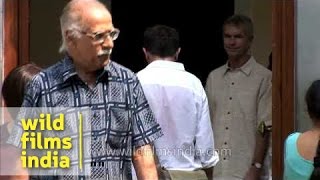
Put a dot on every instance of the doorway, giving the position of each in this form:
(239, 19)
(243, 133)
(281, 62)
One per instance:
(17, 46)
(201, 43)
(199, 25)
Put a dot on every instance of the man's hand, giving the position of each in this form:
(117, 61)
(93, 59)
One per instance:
(260, 151)
(144, 164)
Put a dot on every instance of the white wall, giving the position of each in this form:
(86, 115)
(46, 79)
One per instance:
(1, 53)
(2, 39)
(308, 56)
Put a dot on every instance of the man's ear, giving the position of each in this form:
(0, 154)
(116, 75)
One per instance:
(177, 54)
(69, 37)
(145, 53)
(251, 38)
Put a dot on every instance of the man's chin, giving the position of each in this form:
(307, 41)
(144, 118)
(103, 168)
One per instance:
(233, 54)
(104, 60)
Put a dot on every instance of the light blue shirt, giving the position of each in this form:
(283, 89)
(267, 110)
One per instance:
(296, 167)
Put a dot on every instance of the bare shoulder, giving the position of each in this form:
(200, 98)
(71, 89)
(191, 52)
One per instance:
(307, 144)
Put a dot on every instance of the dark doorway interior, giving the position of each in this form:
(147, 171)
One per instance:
(199, 24)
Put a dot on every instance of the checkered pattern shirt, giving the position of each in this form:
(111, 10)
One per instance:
(120, 117)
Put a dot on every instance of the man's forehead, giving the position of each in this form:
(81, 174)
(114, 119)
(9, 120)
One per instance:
(95, 13)
(234, 28)
(100, 13)
(97, 19)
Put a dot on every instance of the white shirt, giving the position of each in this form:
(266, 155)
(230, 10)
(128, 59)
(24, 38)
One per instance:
(180, 105)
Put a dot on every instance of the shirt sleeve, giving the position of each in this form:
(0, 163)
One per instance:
(145, 128)
(265, 102)
(204, 136)
(210, 94)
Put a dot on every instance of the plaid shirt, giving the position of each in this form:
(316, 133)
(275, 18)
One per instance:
(120, 117)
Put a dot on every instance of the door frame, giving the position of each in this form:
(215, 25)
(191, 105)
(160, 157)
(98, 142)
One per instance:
(16, 34)
(283, 79)
(16, 52)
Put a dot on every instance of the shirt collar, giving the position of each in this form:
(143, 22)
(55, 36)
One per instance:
(166, 64)
(245, 68)
(69, 70)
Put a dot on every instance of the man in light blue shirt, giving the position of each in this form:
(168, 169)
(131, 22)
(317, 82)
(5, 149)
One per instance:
(179, 103)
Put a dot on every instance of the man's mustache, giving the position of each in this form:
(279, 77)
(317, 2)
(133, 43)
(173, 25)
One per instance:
(105, 52)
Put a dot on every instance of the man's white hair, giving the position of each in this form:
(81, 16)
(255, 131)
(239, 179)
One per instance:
(72, 18)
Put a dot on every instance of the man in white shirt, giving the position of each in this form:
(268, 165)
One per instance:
(179, 103)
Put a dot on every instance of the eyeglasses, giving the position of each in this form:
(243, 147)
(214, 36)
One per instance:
(100, 37)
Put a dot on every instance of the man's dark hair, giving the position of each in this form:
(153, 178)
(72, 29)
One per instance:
(13, 86)
(313, 105)
(239, 20)
(161, 40)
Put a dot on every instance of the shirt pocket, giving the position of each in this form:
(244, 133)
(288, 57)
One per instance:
(119, 130)
(248, 102)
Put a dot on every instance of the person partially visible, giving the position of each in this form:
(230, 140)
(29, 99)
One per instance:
(239, 95)
(179, 103)
(13, 89)
(302, 150)
(121, 121)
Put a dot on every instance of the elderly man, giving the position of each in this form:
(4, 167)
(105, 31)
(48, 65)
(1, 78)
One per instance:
(121, 119)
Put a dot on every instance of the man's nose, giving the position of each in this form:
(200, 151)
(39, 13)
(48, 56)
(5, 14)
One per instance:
(108, 42)
(232, 40)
